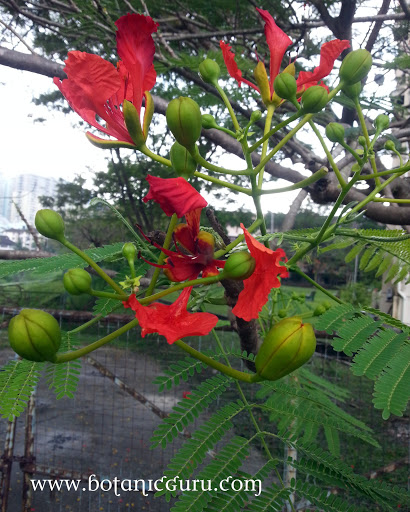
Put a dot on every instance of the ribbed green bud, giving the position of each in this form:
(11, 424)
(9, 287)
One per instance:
(381, 122)
(286, 347)
(35, 335)
(209, 71)
(355, 66)
(352, 91)
(239, 266)
(314, 99)
(361, 140)
(129, 251)
(256, 116)
(182, 162)
(335, 132)
(282, 313)
(319, 310)
(77, 281)
(208, 122)
(389, 145)
(184, 120)
(285, 86)
(49, 224)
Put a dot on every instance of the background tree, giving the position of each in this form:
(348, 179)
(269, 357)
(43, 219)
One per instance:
(192, 30)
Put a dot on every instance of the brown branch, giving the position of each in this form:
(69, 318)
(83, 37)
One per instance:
(377, 26)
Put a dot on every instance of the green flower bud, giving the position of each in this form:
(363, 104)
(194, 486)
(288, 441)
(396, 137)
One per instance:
(49, 224)
(182, 162)
(184, 121)
(286, 347)
(390, 145)
(356, 168)
(255, 116)
(239, 266)
(209, 71)
(129, 251)
(35, 335)
(362, 140)
(77, 281)
(314, 99)
(355, 66)
(208, 122)
(381, 122)
(326, 304)
(335, 132)
(319, 310)
(285, 86)
(282, 313)
(352, 91)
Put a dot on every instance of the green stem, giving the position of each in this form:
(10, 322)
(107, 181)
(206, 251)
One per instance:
(92, 264)
(366, 136)
(223, 183)
(284, 141)
(75, 354)
(155, 157)
(108, 295)
(274, 130)
(300, 184)
(268, 123)
(211, 167)
(167, 242)
(223, 368)
(315, 284)
(257, 203)
(181, 286)
(388, 200)
(228, 105)
(328, 154)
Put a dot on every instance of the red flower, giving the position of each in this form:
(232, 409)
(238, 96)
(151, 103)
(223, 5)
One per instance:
(278, 42)
(173, 321)
(265, 277)
(199, 255)
(185, 394)
(174, 195)
(95, 87)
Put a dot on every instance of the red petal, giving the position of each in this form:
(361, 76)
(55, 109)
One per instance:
(232, 67)
(173, 321)
(329, 52)
(174, 195)
(277, 41)
(265, 277)
(136, 48)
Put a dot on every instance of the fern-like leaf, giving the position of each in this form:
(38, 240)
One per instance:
(17, 382)
(391, 391)
(177, 371)
(188, 409)
(62, 262)
(63, 378)
(226, 463)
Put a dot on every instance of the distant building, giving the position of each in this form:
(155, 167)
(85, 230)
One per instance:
(24, 190)
(6, 244)
(21, 238)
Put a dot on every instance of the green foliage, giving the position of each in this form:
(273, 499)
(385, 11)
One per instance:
(62, 262)
(63, 378)
(382, 353)
(18, 379)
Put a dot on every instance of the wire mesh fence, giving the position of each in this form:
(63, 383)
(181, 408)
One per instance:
(105, 429)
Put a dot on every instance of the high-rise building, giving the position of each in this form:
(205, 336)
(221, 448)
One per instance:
(24, 190)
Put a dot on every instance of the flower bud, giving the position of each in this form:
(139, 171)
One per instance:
(35, 335)
(282, 313)
(77, 281)
(361, 140)
(355, 66)
(314, 99)
(129, 251)
(255, 116)
(49, 224)
(389, 145)
(286, 347)
(208, 122)
(381, 122)
(209, 71)
(352, 91)
(335, 132)
(133, 123)
(239, 266)
(285, 86)
(182, 162)
(184, 121)
(319, 310)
